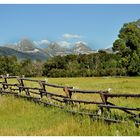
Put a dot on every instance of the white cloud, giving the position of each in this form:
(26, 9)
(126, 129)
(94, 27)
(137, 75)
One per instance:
(64, 44)
(71, 36)
(45, 41)
(81, 42)
(41, 42)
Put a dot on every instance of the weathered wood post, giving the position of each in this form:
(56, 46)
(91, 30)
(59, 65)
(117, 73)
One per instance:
(0, 91)
(65, 89)
(42, 85)
(27, 92)
(21, 84)
(5, 82)
(104, 100)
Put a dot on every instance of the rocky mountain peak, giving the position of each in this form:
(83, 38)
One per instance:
(25, 45)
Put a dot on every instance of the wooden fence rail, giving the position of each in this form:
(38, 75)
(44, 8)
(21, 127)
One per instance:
(122, 95)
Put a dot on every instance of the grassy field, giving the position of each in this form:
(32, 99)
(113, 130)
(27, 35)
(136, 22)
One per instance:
(21, 117)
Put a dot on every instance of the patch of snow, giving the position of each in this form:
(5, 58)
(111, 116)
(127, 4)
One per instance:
(33, 51)
(78, 50)
(81, 42)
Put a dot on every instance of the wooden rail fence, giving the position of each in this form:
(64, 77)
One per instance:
(37, 94)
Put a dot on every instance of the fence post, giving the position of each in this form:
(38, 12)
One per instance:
(104, 100)
(0, 90)
(42, 85)
(27, 92)
(5, 81)
(68, 92)
(21, 84)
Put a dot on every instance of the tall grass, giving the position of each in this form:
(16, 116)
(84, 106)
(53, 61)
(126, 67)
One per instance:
(21, 117)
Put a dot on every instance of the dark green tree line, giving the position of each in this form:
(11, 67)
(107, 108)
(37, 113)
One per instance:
(98, 64)
(10, 65)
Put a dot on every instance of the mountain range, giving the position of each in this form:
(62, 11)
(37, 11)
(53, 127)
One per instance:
(26, 48)
(45, 49)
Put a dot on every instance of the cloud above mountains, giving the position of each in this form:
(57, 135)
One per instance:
(67, 40)
(64, 44)
(81, 42)
(41, 42)
(45, 41)
(71, 36)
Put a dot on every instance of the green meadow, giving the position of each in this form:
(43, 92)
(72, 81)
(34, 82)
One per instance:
(20, 117)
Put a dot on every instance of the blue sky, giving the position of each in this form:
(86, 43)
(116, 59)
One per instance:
(97, 25)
